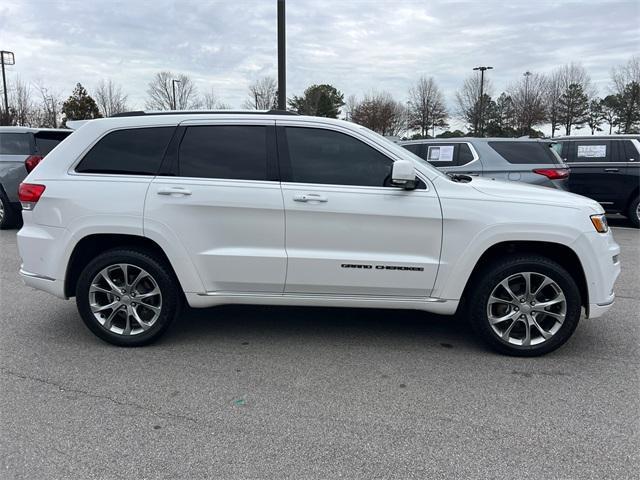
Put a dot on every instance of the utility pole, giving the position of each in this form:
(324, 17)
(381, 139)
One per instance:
(479, 123)
(526, 105)
(173, 86)
(6, 58)
(282, 66)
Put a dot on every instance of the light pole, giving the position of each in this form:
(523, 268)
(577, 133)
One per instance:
(282, 59)
(6, 58)
(173, 86)
(527, 106)
(479, 119)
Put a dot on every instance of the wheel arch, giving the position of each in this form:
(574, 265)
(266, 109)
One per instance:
(562, 254)
(94, 244)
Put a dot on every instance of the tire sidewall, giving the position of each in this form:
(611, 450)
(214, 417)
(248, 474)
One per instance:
(632, 214)
(166, 283)
(490, 279)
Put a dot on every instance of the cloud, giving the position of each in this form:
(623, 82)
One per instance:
(358, 46)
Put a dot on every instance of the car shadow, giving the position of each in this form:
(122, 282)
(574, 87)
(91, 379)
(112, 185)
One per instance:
(315, 324)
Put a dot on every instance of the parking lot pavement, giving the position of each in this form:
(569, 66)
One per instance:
(250, 392)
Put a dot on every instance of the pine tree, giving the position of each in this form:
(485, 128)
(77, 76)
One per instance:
(79, 106)
(573, 108)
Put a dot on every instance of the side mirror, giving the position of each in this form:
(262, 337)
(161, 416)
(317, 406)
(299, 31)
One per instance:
(403, 174)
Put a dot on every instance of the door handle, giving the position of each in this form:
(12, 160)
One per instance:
(310, 197)
(611, 169)
(174, 191)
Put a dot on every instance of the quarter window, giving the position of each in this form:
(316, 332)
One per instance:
(136, 151)
(329, 157)
(224, 151)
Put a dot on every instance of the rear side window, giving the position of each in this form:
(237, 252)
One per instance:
(47, 141)
(446, 155)
(333, 158)
(525, 152)
(224, 151)
(136, 151)
(591, 151)
(14, 144)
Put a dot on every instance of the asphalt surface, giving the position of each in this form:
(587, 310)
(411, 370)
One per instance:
(298, 393)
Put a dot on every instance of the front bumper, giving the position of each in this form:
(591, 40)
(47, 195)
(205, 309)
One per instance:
(600, 258)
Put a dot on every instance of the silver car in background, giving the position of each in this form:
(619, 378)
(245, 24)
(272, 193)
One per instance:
(511, 159)
(21, 149)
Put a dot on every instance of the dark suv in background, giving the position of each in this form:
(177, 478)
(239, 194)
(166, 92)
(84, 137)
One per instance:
(516, 159)
(607, 169)
(21, 149)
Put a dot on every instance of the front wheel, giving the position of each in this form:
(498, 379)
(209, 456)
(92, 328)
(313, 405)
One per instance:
(127, 297)
(525, 305)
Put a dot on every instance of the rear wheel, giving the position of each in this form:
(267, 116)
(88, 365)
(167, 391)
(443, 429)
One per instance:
(127, 298)
(7, 213)
(633, 213)
(526, 305)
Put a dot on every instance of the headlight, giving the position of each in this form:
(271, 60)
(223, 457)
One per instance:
(600, 223)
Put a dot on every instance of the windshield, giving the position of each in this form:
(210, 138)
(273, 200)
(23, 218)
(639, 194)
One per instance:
(401, 151)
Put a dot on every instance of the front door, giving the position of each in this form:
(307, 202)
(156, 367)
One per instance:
(348, 232)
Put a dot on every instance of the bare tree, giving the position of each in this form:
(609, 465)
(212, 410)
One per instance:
(626, 87)
(160, 92)
(528, 97)
(426, 106)
(22, 103)
(557, 85)
(49, 113)
(263, 94)
(110, 98)
(210, 101)
(381, 113)
(468, 104)
(350, 105)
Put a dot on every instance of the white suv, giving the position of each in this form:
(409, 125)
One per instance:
(137, 214)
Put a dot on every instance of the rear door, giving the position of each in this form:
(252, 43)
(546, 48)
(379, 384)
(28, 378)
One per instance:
(219, 197)
(596, 171)
(348, 231)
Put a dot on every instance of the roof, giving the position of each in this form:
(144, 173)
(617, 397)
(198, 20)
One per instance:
(30, 130)
(598, 137)
(474, 139)
(138, 113)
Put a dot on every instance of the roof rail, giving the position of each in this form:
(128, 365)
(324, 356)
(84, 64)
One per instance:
(138, 113)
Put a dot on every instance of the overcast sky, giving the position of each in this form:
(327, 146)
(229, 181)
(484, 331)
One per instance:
(357, 46)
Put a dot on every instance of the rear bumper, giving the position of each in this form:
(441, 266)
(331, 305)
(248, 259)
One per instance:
(596, 310)
(46, 284)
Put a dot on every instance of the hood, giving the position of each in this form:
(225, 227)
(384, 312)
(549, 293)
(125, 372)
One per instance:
(523, 192)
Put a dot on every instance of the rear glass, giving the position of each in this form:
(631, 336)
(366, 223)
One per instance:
(47, 141)
(525, 152)
(14, 144)
(137, 151)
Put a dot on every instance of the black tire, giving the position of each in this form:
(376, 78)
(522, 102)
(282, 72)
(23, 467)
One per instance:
(167, 283)
(632, 212)
(491, 276)
(8, 215)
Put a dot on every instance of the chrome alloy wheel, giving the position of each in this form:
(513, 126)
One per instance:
(1, 210)
(526, 309)
(638, 211)
(125, 299)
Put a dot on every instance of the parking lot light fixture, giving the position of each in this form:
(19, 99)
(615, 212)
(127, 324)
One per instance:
(6, 58)
(479, 120)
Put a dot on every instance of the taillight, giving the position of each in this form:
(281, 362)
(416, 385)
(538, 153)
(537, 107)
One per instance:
(32, 162)
(29, 194)
(553, 173)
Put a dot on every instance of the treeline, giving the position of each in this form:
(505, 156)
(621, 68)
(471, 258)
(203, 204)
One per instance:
(565, 99)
